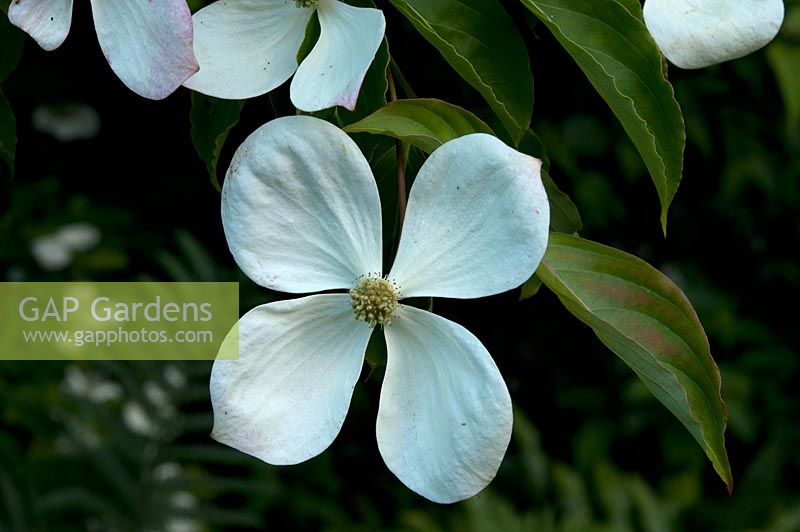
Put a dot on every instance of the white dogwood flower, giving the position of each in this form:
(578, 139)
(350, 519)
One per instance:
(247, 48)
(700, 33)
(148, 44)
(301, 213)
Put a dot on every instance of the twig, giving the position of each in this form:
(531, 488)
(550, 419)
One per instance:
(402, 195)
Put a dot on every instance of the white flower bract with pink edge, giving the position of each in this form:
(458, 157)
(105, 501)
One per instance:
(148, 44)
(247, 48)
(301, 213)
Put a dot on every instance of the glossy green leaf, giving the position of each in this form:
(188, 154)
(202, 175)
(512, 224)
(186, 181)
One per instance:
(612, 46)
(427, 124)
(212, 119)
(564, 218)
(424, 123)
(533, 145)
(482, 44)
(564, 215)
(643, 317)
(8, 133)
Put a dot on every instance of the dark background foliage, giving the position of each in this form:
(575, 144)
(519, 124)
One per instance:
(125, 446)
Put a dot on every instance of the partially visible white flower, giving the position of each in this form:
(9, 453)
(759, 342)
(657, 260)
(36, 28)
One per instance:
(301, 213)
(55, 251)
(247, 48)
(67, 122)
(700, 33)
(147, 43)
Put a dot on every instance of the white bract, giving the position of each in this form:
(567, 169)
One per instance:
(247, 48)
(301, 213)
(67, 122)
(148, 44)
(700, 33)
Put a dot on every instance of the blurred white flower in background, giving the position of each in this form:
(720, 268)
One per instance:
(67, 122)
(158, 398)
(50, 253)
(167, 471)
(301, 213)
(174, 377)
(137, 420)
(90, 386)
(700, 33)
(56, 251)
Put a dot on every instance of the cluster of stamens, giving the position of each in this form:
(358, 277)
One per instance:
(306, 3)
(374, 299)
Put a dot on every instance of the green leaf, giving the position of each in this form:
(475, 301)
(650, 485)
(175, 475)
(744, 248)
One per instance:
(482, 44)
(564, 215)
(530, 288)
(428, 123)
(212, 120)
(375, 355)
(612, 46)
(12, 40)
(424, 123)
(312, 33)
(784, 58)
(8, 133)
(643, 317)
(381, 153)
(533, 145)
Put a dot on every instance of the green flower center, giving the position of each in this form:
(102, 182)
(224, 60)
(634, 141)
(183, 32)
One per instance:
(306, 3)
(374, 299)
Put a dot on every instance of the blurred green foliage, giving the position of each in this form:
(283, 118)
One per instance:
(125, 446)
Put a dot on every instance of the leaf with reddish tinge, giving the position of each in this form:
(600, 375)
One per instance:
(643, 317)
